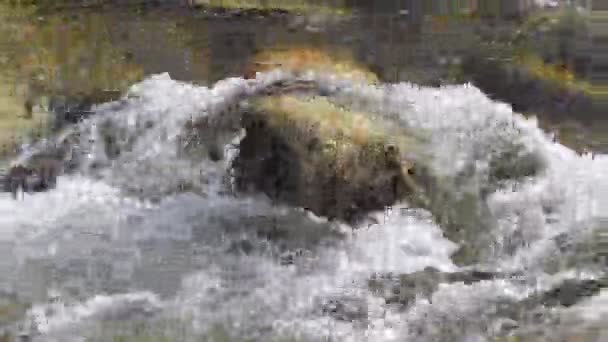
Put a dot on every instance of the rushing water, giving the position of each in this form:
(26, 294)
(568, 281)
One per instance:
(120, 248)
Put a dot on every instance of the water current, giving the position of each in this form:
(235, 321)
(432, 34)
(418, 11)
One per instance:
(149, 242)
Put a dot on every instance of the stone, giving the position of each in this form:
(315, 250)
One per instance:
(309, 153)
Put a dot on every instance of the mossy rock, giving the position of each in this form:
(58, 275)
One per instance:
(530, 85)
(307, 152)
(539, 68)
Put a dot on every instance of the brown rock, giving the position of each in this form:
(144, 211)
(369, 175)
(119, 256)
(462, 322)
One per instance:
(320, 162)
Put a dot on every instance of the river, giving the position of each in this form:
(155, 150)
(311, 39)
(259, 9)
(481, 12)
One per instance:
(118, 253)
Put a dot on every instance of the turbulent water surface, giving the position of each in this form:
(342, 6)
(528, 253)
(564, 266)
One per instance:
(150, 242)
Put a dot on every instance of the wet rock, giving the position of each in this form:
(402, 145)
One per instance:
(536, 311)
(526, 92)
(345, 308)
(39, 174)
(573, 291)
(302, 150)
(16, 180)
(298, 161)
(241, 247)
(405, 288)
(205, 139)
(69, 110)
(502, 168)
(542, 67)
(294, 232)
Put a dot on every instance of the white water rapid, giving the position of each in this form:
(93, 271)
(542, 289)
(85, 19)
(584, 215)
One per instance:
(118, 249)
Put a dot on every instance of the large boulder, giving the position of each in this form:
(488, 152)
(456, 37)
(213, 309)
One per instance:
(305, 151)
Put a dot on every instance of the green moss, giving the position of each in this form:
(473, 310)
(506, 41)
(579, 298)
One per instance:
(340, 130)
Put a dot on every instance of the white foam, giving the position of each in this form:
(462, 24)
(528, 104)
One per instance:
(462, 127)
(61, 322)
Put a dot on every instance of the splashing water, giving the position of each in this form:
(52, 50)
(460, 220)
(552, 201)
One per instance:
(121, 240)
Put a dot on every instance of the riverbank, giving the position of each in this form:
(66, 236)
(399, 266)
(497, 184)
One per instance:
(120, 44)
